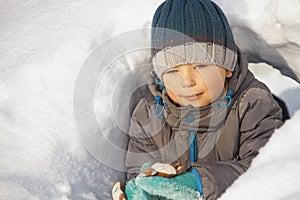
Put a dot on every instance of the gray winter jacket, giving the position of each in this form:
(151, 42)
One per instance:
(227, 139)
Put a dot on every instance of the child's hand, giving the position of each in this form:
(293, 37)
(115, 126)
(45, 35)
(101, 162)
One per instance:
(118, 191)
(163, 169)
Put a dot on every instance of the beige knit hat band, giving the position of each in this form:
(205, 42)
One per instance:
(193, 52)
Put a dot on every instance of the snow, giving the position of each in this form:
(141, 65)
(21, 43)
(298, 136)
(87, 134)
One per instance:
(267, 31)
(275, 173)
(58, 143)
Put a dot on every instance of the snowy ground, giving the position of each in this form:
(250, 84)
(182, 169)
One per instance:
(275, 173)
(44, 47)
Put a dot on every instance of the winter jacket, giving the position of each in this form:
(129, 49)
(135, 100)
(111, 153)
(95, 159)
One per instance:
(218, 141)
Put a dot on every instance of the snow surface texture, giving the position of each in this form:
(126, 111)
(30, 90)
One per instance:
(44, 46)
(267, 31)
(275, 173)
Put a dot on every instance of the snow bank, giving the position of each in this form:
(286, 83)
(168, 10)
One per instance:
(44, 45)
(267, 31)
(275, 173)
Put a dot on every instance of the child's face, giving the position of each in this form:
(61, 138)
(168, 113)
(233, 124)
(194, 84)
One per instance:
(195, 84)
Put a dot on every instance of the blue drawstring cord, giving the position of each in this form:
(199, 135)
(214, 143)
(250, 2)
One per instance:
(158, 99)
(198, 180)
(158, 102)
(228, 99)
(193, 147)
(159, 83)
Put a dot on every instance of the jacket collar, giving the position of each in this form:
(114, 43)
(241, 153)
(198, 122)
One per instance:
(201, 119)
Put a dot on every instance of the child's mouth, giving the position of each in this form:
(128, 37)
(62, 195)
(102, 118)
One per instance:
(193, 97)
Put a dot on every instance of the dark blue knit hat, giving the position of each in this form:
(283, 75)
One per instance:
(191, 31)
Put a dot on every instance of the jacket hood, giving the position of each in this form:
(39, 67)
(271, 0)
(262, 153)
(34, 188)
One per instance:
(201, 118)
(241, 76)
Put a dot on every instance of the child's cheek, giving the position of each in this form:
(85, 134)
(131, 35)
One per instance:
(173, 95)
(215, 87)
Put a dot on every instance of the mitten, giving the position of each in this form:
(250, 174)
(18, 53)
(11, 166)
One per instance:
(133, 192)
(185, 185)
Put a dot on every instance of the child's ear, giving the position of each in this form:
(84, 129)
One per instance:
(228, 74)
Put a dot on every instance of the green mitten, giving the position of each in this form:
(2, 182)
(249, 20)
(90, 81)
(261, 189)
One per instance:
(135, 193)
(182, 186)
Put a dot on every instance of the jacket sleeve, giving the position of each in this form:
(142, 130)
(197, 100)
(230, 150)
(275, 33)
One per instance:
(141, 147)
(259, 116)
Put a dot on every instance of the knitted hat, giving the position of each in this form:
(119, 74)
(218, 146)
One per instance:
(191, 31)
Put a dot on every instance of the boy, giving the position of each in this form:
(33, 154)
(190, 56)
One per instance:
(210, 116)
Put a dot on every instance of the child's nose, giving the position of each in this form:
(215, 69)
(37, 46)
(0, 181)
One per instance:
(188, 79)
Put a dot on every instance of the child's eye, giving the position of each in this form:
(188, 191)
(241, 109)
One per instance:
(200, 66)
(171, 71)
